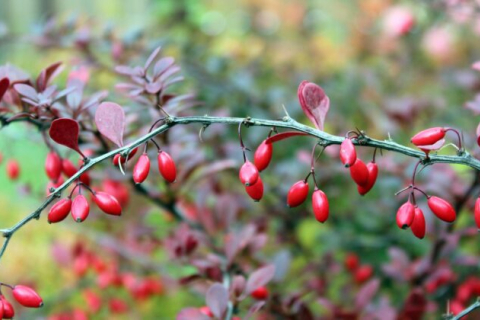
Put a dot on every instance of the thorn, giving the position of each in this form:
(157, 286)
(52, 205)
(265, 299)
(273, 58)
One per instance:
(285, 109)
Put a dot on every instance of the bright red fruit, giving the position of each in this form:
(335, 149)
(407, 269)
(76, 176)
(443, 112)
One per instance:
(13, 169)
(418, 225)
(117, 189)
(372, 178)
(8, 311)
(261, 293)
(141, 169)
(68, 168)
(54, 185)
(320, 205)
(248, 174)
(297, 194)
(166, 166)
(80, 208)
(351, 261)
(118, 158)
(405, 215)
(53, 166)
(442, 209)
(107, 203)
(263, 155)
(363, 273)
(206, 311)
(59, 210)
(477, 213)
(27, 297)
(359, 172)
(255, 191)
(428, 137)
(348, 155)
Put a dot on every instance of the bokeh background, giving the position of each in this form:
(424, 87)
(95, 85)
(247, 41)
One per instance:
(390, 68)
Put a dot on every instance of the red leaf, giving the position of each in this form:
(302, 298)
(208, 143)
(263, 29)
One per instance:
(46, 75)
(259, 278)
(284, 135)
(217, 300)
(254, 309)
(65, 131)
(4, 84)
(110, 120)
(314, 102)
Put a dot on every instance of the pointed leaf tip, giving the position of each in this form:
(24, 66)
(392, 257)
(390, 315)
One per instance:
(314, 102)
(110, 120)
(65, 131)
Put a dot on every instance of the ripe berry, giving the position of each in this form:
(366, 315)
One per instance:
(320, 205)
(442, 209)
(477, 213)
(8, 311)
(80, 208)
(118, 158)
(372, 178)
(255, 191)
(54, 185)
(348, 155)
(107, 203)
(418, 225)
(351, 261)
(263, 155)
(13, 169)
(363, 273)
(405, 215)
(359, 172)
(248, 174)
(118, 190)
(166, 166)
(206, 311)
(53, 166)
(297, 194)
(428, 137)
(141, 169)
(68, 168)
(27, 297)
(59, 210)
(261, 293)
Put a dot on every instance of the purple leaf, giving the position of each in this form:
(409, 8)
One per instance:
(4, 84)
(161, 66)
(314, 102)
(217, 300)
(238, 285)
(65, 131)
(125, 70)
(191, 314)
(151, 58)
(254, 309)
(110, 120)
(26, 90)
(48, 74)
(366, 293)
(260, 278)
(170, 72)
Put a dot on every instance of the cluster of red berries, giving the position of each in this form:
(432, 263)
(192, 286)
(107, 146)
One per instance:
(24, 295)
(466, 291)
(360, 273)
(166, 167)
(55, 166)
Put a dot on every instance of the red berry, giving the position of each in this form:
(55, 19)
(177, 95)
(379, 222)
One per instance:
(255, 191)
(53, 166)
(456, 307)
(107, 203)
(27, 297)
(80, 208)
(118, 158)
(166, 166)
(118, 190)
(141, 169)
(359, 172)
(59, 210)
(442, 209)
(477, 213)
(418, 224)
(206, 311)
(348, 155)
(68, 168)
(363, 273)
(117, 306)
(320, 205)
(351, 261)
(85, 178)
(54, 185)
(8, 311)
(297, 194)
(248, 174)
(405, 215)
(263, 155)
(372, 178)
(261, 293)
(13, 169)
(428, 137)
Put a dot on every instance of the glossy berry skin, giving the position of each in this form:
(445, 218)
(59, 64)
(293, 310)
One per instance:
(363, 273)
(107, 203)
(255, 191)
(13, 169)
(405, 215)
(428, 137)
(53, 166)
(80, 208)
(68, 168)
(442, 209)
(166, 166)
(119, 159)
(60, 210)
(320, 205)
(27, 297)
(352, 262)
(263, 155)
(359, 172)
(477, 213)
(348, 155)
(297, 194)
(141, 169)
(372, 178)
(248, 174)
(8, 311)
(418, 226)
(261, 293)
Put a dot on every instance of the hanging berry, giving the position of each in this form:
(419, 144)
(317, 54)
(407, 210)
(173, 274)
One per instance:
(442, 209)
(141, 169)
(261, 293)
(263, 155)
(348, 155)
(8, 311)
(477, 213)
(119, 159)
(428, 137)
(53, 166)
(405, 215)
(27, 297)
(418, 226)
(359, 172)
(60, 210)
(320, 205)
(68, 168)
(297, 194)
(255, 191)
(80, 208)
(107, 203)
(166, 166)
(13, 169)
(372, 178)
(248, 174)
